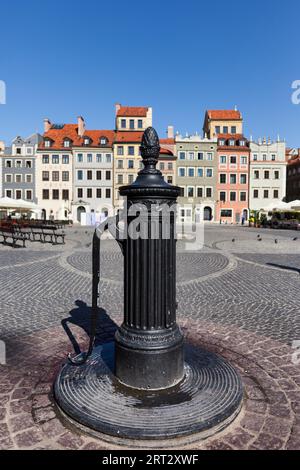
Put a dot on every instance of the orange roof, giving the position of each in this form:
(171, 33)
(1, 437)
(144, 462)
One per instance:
(132, 111)
(169, 141)
(70, 131)
(231, 136)
(128, 136)
(224, 114)
(166, 152)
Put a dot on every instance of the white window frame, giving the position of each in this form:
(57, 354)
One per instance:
(212, 192)
(18, 174)
(11, 178)
(181, 168)
(190, 168)
(212, 172)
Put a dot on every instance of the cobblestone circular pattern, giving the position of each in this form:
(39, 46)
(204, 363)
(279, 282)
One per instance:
(190, 266)
(206, 400)
(270, 418)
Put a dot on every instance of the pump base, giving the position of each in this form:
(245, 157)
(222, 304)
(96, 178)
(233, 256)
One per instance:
(207, 399)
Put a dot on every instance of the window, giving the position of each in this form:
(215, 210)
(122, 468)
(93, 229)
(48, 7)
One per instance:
(223, 178)
(18, 178)
(256, 174)
(209, 156)
(170, 166)
(8, 164)
(8, 193)
(225, 129)
(208, 192)
(89, 193)
(233, 160)
(221, 142)
(200, 172)
(89, 175)
(108, 193)
(161, 166)
(108, 158)
(181, 172)
(66, 143)
(191, 155)
(79, 174)
(120, 179)
(120, 164)
(273, 157)
(55, 159)
(86, 141)
(65, 176)
(190, 191)
(130, 179)
(181, 155)
(28, 164)
(107, 175)
(255, 193)
(200, 155)
(191, 172)
(233, 129)
(123, 125)
(130, 164)
(266, 174)
(79, 192)
(45, 175)
(223, 196)
(275, 194)
(130, 150)
(18, 151)
(209, 172)
(226, 213)
(223, 159)
(29, 150)
(65, 194)
(98, 193)
(231, 142)
(255, 157)
(45, 159)
(266, 193)
(47, 143)
(98, 175)
(243, 196)
(28, 178)
(264, 157)
(55, 175)
(170, 179)
(79, 157)
(243, 178)
(120, 150)
(199, 192)
(45, 193)
(99, 158)
(181, 193)
(8, 178)
(103, 141)
(55, 193)
(18, 164)
(232, 196)
(131, 123)
(89, 157)
(28, 194)
(140, 123)
(218, 130)
(276, 175)
(242, 143)
(65, 159)
(243, 160)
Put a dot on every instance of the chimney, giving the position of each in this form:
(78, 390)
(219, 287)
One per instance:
(170, 132)
(117, 106)
(47, 125)
(81, 126)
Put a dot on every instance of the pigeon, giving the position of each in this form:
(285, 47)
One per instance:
(276, 241)
(294, 239)
(258, 236)
(259, 239)
(233, 240)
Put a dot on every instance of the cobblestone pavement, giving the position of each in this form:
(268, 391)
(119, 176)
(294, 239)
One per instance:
(239, 296)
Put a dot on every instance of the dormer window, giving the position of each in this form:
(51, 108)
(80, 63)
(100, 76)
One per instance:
(86, 141)
(242, 143)
(231, 142)
(103, 140)
(221, 142)
(47, 143)
(66, 143)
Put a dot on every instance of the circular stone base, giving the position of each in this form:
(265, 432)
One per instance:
(207, 400)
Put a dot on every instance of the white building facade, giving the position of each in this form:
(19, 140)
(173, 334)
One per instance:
(267, 181)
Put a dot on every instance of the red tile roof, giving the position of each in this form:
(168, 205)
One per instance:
(232, 136)
(128, 136)
(166, 152)
(169, 141)
(134, 111)
(224, 114)
(70, 131)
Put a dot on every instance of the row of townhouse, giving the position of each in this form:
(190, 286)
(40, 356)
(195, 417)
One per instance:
(70, 170)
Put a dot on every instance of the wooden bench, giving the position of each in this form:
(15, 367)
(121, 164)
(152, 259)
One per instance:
(14, 235)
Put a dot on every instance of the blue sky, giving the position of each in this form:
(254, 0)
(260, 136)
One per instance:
(63, 58)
